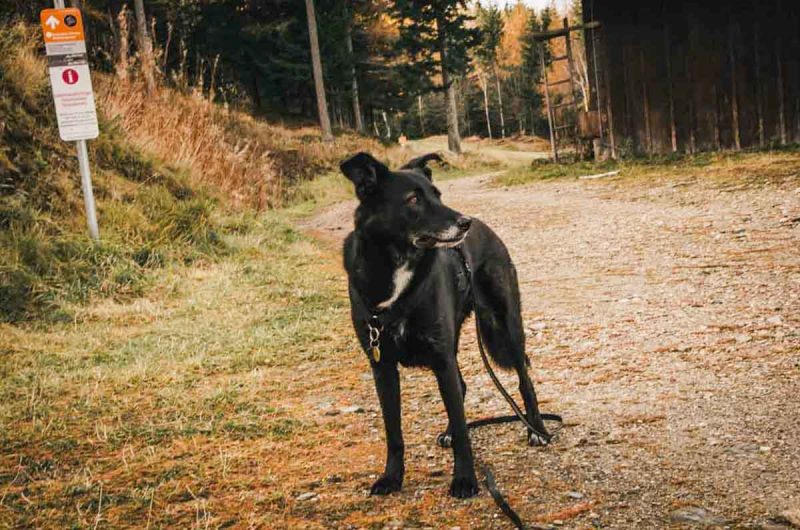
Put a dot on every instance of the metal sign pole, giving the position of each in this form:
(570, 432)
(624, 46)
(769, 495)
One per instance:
(88, 193)
(86, 173)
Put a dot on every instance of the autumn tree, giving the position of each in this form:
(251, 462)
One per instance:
(436, 38)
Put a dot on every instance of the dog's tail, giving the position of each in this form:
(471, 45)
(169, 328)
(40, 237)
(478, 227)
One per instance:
(497, 308)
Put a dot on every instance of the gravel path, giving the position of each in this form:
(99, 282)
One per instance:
(664, 324)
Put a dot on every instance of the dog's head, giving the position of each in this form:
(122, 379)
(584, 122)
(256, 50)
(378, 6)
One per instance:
(403, 205)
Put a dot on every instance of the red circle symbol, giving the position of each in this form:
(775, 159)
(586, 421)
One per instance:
(70, 76)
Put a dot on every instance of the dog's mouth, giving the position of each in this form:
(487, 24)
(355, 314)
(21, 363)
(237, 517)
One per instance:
(445, 240)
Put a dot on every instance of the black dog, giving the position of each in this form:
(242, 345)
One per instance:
(410, 292)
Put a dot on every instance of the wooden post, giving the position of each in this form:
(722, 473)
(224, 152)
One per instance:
(571, 64)
(670, 89)
(645, 104)
(737, 140)
(550, 120)
(759, 96)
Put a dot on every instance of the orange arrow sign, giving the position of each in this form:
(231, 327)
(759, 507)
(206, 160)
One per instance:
(61, 25)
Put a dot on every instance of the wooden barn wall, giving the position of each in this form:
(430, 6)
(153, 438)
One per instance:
(697, 76)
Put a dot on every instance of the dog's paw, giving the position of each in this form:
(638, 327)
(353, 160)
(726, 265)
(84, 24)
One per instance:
(464, 487)
(445, 440)
(535, 439)
(386, 485)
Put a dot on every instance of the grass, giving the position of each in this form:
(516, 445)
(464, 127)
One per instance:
(115, 400)
(776, 164)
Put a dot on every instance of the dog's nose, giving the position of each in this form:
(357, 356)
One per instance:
(464, 223)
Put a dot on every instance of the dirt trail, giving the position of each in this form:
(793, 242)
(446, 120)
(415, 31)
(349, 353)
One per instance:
(664, 324)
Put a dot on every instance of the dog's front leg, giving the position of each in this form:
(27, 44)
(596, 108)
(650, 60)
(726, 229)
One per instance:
(464, 482)
(387, 383)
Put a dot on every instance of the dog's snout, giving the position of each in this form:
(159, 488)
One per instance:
(464, 222)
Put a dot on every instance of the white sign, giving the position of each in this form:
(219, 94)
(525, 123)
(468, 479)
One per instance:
(74, 99)
(69, 74)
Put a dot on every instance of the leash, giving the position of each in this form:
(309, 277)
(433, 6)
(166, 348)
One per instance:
(490, 482)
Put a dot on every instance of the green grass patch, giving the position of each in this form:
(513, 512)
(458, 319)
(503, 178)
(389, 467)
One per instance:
(769, 165)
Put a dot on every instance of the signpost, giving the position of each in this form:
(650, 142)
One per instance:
(72, 91)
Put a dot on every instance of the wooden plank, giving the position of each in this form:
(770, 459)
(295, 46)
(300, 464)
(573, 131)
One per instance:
(737, 139)
(781, 94)
(608, 100)
(648, 132)
(559, 82)
(670, 88)
(759, 95)
(555, 33)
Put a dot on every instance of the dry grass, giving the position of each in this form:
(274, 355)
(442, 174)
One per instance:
(252, 162)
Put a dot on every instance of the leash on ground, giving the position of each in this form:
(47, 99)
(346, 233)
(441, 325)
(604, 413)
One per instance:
(491, 484)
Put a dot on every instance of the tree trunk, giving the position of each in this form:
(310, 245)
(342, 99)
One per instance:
(145, 46)
(500, 102)
(388, 127)
(356, 103)
(319, 83)
(421, 115)
(122, 51)
(485, 88)
(453, 136)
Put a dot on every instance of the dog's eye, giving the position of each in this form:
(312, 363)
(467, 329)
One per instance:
(412, 199)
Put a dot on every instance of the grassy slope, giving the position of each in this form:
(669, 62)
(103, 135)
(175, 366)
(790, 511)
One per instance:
(152, 216)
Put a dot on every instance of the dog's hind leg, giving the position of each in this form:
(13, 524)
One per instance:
(497, 308)
(540, 436)
(445, 439)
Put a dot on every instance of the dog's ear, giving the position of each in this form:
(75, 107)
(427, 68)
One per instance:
(420, 164)
(363, 171)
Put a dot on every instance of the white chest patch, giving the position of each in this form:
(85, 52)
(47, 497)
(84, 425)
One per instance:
(400, 279)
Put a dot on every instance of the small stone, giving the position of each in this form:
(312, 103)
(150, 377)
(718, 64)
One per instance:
(307, 496)
(331, 412)
(695, 515)
(575, 495)
(765, 449)
(775, 320)
(354, 409)
(792, 516)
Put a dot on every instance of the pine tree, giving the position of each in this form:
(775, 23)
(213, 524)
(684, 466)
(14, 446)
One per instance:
(531, 61)
(435, 37)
